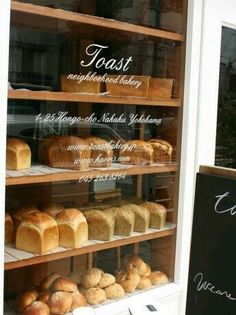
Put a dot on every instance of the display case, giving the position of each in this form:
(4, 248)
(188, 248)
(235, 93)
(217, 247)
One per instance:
(93, 150)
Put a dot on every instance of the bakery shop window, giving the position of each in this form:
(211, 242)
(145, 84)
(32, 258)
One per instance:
(93, 151)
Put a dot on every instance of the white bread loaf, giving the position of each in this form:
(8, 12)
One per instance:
(18, 154)
(37, 233)
(73, 228)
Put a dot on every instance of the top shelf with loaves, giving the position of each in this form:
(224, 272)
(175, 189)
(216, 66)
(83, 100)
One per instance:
(51, 19)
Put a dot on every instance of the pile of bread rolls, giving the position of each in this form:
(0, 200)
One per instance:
(39, 230)
(137, 275)
(55, 295)
(73, 152)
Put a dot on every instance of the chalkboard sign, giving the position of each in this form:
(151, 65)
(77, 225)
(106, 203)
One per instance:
(212, 273)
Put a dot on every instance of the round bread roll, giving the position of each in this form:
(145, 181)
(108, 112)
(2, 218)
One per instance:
(128, 280)
(43, 296)
(48, 281)
(60, 302)
(144, 283)
(92, 278)
(148, 271)
(158, 277)
(52, 208)
(78, 300)
(37, 308)
(106, 280)
(137, 264)
(64, 284)
(26, 299)
(95, 296)
(114, 291)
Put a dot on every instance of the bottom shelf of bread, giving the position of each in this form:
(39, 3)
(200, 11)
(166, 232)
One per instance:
(56, 294)
(15, 258)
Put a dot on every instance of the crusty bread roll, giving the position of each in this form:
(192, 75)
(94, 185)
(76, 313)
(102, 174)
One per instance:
(144, 283)
(162, 150)
(64, 152)
(37, 308)
(135, 263)
(114, 291)
(63, 284)
(142, 217)
(128, 280)
(43, 296)
(138, 152)
(158, 277)
(60, 302)
(9, 229)
(26, 299)
(95, 296)
(157, 214)
(92, 278)
(106, 280)
(78, 300)
(37, 233)
(124, 221)
(101, 152)
(18, 154)
(46, 283)
(73, 228)
(21, 212)
(52, 208)
(101, 224)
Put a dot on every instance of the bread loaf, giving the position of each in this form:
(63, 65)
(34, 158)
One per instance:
(91, 278)
(144, 283)
(18, 154)
(162, 150)
(73, 228)
(78, 300)
(63, 284)
(9, 229)
(137, 152)
(101, 152)
(95, 296)
(106, 280)
(37, 308)
(46, 283)
(114, 291)
(142, 217)
(101, 224)
(26, 299)
(124, 221)
(64, 152)
(128, 280)
(60, 302)
(43, 296)
(37, 233)
(157, 214)
(52, 208)
(19, 214)
(136, 264)
(158, 277)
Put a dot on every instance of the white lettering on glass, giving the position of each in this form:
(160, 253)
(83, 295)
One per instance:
(94, 51)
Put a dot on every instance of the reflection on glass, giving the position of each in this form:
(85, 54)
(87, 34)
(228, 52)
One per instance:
(226, 129)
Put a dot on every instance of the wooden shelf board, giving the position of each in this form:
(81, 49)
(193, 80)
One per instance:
(89, 98)
(92, 246)
(92, 20)
(91, 173)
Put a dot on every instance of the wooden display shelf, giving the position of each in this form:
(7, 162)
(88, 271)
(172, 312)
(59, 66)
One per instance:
(16, 258)
(89, 98)
(86, 175)
(84, 19)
